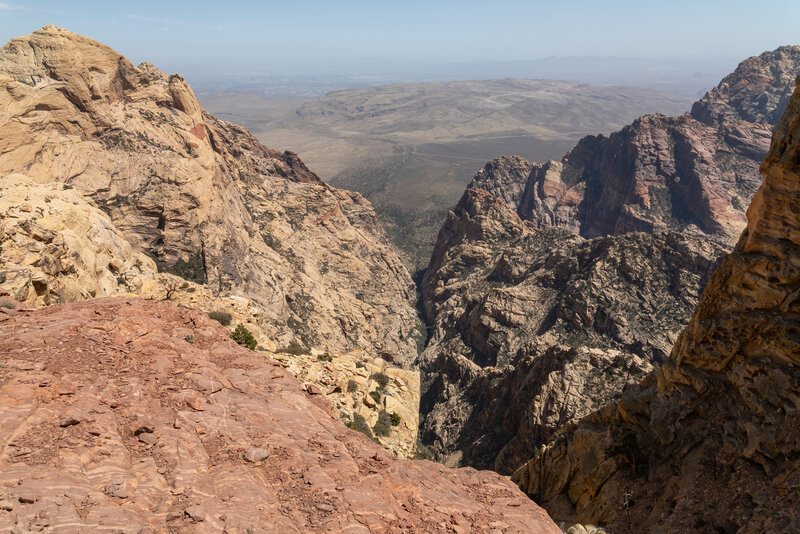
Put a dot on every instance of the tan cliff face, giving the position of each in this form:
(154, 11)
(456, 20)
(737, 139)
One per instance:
(57, 247)
(710, 441)
(694, 173)
(132, 415)
(203, 197)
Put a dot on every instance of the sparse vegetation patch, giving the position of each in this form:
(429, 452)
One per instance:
(243, 336)
(223, 318)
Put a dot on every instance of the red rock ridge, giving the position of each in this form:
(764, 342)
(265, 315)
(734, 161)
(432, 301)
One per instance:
(132, 415)
(711, 441)
(694, 173)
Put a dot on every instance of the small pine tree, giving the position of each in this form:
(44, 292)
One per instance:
(243, 336)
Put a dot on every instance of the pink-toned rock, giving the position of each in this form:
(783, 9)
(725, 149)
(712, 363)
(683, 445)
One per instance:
(319, 476)
(256, 454)
(313, 389)
(695, 173)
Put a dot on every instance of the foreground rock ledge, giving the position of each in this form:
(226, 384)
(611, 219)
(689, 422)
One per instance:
(136, 416)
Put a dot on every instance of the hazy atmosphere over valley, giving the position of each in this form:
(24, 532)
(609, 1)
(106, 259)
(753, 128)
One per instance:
(366, 267)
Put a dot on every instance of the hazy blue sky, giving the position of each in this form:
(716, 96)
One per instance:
(173, 33)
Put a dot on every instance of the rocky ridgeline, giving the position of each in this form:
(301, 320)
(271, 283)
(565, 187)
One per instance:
(555, 286)
(533, 328)
(131, 189)
(203, 197)
(710, 442)
(133, 415)
(695, 173)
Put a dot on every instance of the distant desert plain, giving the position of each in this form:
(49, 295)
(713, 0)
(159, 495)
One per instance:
(410, 148)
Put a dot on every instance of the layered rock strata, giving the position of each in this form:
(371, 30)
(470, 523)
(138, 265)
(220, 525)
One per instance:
(534, 327)
(57, 246)
(694, 173)
(607, 249)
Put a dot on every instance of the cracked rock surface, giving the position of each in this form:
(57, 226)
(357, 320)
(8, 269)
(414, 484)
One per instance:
(163, 434)
(202, 196)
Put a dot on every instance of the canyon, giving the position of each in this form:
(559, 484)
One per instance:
(198, 333)
(554, 287)
(410, 148)
(708, 442)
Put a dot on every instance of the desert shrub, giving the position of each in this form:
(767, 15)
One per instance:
(625, 448)
(223, 318)
(360, 424)
(352, 386)
(420, 335)
(381, 378)
(360, 365)
(243, 336)
(423, 452)
(383, 426)
(395, 419)
(325, 357)
(193, 269)
(375, 395)
(295, 349)
(189, 339)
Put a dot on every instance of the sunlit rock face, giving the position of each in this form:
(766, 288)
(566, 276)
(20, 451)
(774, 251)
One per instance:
(711, 440)
(135, 415)
(203, 197)
(694, 173)
(555, 286)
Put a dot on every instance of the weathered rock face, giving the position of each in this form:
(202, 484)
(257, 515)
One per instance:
(709, 442)
(133, 415)
(346, 379)
(755, 92)
(534, 327)
(695, 173)
(202, 196)
(56, 247)
(505, 177)
(368, 394)
(517, 296)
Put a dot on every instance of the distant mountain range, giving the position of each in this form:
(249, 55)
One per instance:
(687, 76)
